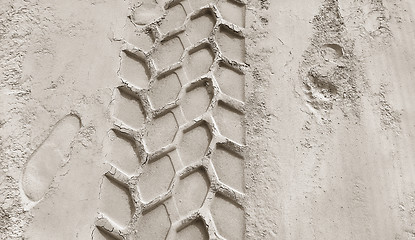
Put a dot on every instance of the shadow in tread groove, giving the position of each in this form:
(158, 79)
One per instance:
(99, 234)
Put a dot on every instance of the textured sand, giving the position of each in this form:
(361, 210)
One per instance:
(207, 119)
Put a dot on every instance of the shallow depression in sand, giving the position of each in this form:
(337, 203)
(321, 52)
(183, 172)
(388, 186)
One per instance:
(44, 163)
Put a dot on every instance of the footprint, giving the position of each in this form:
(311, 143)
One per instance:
(44, 163)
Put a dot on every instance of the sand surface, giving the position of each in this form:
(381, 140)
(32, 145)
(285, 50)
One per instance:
(207, 119)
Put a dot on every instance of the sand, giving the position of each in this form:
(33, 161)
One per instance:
(207, 119)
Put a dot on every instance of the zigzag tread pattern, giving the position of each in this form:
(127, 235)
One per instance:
(175, 153)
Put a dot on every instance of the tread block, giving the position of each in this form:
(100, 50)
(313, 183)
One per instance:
(141, 39)
(156, 178)
(200, 27)
(228, 218)
(174, 18)
(164, 90)
(134, 70)
(230, 168)
(154, 224)
(194, 144)
(198, 63)
(116, 202)
(128, 109)
(191, 192)
(120, 152)
(231, 45)
(196, 101)
(168, 53)
(231, 82)
(146, 13)
(232, 11)
(160, 132)
(230, 122)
